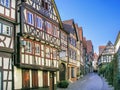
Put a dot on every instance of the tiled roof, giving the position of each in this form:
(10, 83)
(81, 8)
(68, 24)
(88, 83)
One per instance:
(68, 26)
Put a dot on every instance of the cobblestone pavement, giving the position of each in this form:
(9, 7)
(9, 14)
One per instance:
(89, 82)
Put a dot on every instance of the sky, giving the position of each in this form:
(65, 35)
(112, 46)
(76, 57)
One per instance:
(100, 19)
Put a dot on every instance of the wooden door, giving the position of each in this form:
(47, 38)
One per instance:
(51, 81)
(62, 72)
(45, 79)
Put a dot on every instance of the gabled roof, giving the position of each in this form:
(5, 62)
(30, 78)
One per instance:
(108, 44)
(84, 42)
(80, 33)
(57, 13)
(69, 26)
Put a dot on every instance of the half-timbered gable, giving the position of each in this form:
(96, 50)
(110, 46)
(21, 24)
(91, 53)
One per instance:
(36, 26)
(107, 55)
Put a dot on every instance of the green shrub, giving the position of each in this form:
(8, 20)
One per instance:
(63, 84)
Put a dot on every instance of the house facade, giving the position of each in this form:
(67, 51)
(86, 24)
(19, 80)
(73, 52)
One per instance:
(38, 45)
(82, 63)
(107, 55)
(90, 55)
(73, 50)
(7, 30)
(63, 71)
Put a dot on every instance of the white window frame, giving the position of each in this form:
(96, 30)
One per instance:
(30, 18)
(37, 48)
(28, 46)
(49, 26)
(39, 22)
(5, 3)
(6, 30)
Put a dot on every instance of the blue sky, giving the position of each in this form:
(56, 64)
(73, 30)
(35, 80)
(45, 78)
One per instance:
(100, 19)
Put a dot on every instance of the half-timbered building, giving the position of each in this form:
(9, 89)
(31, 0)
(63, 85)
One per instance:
(107, 55)
(63, 75)
(73, 50)
(7, 29)
(38, 45)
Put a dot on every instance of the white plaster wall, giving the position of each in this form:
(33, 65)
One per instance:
(1, 9)
(17, 78)
(13, 3)
(40, 78)
(7, 12)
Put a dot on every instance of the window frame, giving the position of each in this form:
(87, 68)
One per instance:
(28, 47)
(40, 22)
(48, 27)
(72, 72)
(5, 3)
(31, 20)
(3, 30)
(37, 49)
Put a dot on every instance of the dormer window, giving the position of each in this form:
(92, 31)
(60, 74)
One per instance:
(39, 23)
(5, 3)
(30, 19)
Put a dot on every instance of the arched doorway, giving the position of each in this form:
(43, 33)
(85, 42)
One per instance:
(62, 71)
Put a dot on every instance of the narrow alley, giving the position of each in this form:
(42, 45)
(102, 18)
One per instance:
(89, 82)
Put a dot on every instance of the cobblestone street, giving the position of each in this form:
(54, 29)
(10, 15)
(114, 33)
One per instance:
(89, 82)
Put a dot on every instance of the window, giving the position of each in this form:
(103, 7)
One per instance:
(54, 54)
(48, 27)
(5, 29)
(30, 18)
(47, 52)
(39, 23)
(34, 78)
(55, 31)
(5, 3)
(45, 5)
(72, 72)
(28, 46)
(25, 79)
(37, 48)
